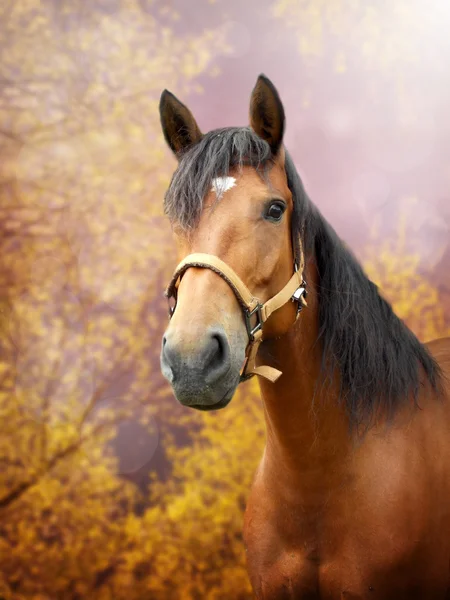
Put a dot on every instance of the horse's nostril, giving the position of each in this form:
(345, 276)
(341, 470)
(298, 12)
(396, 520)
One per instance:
(218, 358)
(206, 360)
(221, 343)
(168, 359)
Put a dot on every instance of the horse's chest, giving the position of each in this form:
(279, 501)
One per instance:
(311, 556)
(280, 567)
(295, 576)
(302, 580)
(289, 576)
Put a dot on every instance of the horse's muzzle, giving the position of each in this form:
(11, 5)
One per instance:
(201, 370)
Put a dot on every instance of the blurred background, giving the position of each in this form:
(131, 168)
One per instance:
(108, 488)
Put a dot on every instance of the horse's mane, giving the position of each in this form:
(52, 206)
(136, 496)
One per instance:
(380, 362)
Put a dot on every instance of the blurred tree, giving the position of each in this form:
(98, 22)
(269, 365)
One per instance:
(391, 264)
(84, 254)
(381, 37)
(75, 533)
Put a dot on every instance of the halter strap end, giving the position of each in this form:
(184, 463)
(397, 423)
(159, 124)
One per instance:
(268, 373)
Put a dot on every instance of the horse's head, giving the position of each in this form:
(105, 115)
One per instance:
(229, 198)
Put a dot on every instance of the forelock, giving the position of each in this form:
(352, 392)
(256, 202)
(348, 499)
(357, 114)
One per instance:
(214, 156)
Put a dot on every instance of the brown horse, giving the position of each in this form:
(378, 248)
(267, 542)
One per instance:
(352, 495)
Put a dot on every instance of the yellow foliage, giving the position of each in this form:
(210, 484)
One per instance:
(390, 264)
(84, 256)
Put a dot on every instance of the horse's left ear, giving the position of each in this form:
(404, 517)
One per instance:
(178, 124)
(267, 113)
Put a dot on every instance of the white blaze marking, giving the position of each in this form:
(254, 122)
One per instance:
(220, 185)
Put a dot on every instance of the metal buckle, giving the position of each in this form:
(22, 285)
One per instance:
(248, 315)
(299, 295)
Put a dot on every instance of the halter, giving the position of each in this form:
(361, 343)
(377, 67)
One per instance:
(255, 312)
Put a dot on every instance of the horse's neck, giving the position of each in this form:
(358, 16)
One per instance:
(307, 429)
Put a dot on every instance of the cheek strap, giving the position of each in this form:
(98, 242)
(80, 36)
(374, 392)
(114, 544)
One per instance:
(255, 313)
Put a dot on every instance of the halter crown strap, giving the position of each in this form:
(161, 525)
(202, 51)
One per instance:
(294, 289)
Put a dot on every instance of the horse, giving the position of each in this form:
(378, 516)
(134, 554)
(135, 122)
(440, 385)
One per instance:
(351, 498)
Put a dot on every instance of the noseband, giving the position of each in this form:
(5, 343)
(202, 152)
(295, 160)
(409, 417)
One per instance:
(255, 312)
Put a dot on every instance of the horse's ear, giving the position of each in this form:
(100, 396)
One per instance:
(178, 124)
(267, 113)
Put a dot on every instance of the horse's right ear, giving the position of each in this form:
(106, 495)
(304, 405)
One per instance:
(179, 126)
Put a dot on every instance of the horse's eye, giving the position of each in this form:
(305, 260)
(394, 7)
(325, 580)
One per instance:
(275, 211)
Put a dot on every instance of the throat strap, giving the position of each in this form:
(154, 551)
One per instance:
(255, 313)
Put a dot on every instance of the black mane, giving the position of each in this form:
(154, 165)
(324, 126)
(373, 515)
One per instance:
(381, 363)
